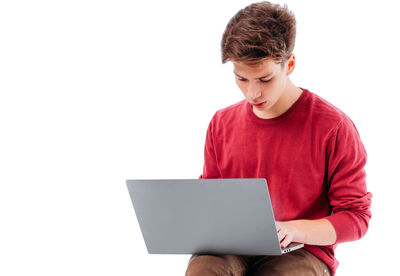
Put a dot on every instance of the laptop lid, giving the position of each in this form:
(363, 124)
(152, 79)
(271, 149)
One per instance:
(206, 216)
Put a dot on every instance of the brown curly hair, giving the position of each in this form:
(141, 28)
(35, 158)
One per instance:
(259, 31)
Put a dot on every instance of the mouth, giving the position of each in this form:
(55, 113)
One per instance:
(260, 104)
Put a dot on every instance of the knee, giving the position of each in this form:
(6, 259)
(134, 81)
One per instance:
(205, 265)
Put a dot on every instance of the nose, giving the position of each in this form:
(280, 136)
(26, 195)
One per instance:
(253, 91)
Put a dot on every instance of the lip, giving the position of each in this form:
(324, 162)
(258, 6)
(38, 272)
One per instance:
(260, 104)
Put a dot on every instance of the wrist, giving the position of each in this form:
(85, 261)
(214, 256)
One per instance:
(299, 234)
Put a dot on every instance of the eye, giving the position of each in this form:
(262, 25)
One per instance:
(240, 79)
(265, 80)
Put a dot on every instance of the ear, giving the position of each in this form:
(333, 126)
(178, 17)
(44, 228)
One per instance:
(291, 63)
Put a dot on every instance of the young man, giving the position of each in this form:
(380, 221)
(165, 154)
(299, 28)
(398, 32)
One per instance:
(307, 149)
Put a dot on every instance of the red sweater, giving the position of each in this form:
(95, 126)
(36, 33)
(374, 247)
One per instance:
(311, 156)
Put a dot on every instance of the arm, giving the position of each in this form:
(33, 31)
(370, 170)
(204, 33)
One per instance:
(347, 194)
(210, 169)
(313, 232)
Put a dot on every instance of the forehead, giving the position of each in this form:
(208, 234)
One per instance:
(261, 69)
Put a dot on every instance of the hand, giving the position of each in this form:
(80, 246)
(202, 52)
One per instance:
(315, 232)
(287, 233)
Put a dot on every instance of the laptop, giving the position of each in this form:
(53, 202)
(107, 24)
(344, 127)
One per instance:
(206, 216)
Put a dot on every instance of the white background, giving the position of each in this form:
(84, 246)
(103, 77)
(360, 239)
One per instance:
(95, 92)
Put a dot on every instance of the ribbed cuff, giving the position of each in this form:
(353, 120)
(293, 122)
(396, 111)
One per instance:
(345, 226)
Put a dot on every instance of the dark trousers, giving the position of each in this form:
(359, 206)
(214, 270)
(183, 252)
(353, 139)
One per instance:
(298, 262)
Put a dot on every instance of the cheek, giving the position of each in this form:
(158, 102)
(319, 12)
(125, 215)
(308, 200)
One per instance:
(273, 85)
(269, 89)
(279, 82)
(242, 86)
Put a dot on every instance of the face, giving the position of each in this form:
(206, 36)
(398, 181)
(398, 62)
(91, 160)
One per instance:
(264, 85)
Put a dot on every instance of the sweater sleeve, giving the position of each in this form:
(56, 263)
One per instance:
(210, 168)
(348, 196)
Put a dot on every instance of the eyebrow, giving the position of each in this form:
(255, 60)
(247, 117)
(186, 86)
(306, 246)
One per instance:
(257, 78)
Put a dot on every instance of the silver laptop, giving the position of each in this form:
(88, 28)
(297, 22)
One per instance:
(206, 216)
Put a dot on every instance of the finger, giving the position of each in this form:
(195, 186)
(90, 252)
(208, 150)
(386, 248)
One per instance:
(281, 235)
(278, 226)
(286, 241)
